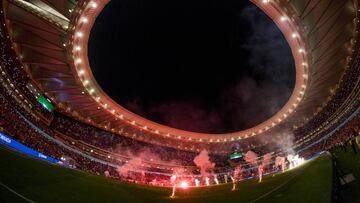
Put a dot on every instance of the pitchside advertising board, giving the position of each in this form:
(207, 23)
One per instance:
(22, 148)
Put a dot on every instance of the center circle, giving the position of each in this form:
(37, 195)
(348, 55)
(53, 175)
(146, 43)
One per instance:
(201, 66)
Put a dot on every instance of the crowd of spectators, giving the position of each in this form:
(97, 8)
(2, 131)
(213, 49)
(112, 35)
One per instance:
(10, 63)
(342, 137)
(351, 78)
(121, 144)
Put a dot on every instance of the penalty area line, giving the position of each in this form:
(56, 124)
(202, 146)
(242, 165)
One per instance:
(17, 194)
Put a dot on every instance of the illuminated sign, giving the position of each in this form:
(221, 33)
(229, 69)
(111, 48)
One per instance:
(45, 103)
(22, 148)
(236, 155)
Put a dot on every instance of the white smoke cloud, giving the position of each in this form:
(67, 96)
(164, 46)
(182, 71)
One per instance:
(251, 158)
(131, 165)
(203, 162)
(266, 159)
(286, 142)
(136, 160)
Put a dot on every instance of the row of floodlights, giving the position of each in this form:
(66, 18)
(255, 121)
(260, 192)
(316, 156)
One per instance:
(91, 90)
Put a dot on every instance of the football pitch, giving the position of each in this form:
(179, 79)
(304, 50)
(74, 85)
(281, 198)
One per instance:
(25, 179)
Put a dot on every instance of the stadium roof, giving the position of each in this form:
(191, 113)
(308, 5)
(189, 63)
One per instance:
(51, 36)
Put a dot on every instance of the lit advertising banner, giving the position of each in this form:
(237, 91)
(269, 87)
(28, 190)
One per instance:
(22, 148)
(45, 103)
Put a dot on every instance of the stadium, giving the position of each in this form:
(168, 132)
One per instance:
(179, 101)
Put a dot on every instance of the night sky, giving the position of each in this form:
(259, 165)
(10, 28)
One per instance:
(210, 66)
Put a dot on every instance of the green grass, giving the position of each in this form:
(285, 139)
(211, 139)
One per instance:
(349, 162)
(44, 182)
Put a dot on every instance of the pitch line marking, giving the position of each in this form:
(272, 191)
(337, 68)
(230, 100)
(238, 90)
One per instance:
(278, 187)
(19, 195)
(273, 190)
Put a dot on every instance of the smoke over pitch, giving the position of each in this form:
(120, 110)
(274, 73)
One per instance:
(135, 162)
(287, 142)
(251, 158)
(283, 140)
(203, 162)
(131, 165)
(266, 159)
